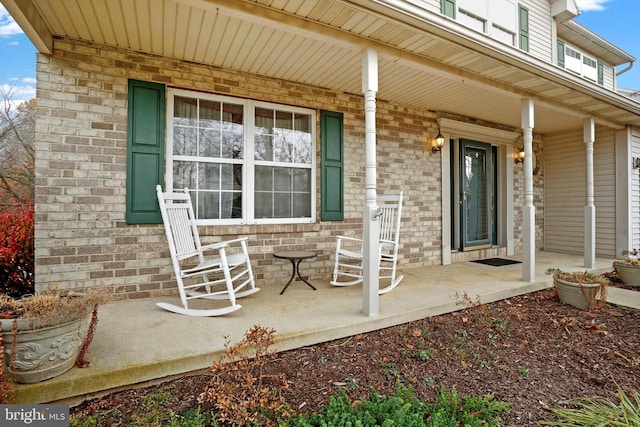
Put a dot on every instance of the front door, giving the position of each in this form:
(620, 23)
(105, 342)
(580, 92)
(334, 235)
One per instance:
(476, 184)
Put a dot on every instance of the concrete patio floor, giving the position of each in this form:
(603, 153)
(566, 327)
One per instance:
(136, 342)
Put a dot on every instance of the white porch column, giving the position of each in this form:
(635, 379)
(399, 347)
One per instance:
(529, 210)
(590, 208)
(371, 226)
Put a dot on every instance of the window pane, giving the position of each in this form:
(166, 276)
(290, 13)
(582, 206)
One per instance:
(208, 176)
(302, 206)
(302, 180)
(282, 179)
(209, 145)
(282, 205)
(263, 147)
(185, 111)
(184, 175)
(232, 131)
(210, 114)
(263, 205)
(264, 178)
(184, 141)
(302, 143)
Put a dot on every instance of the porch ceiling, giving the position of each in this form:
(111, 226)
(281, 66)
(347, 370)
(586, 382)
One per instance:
(425, 60)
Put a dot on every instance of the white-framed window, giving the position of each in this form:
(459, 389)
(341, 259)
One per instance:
(498, 19)
(579, 63)
(573, 60)
(243, 161)
(589, 68)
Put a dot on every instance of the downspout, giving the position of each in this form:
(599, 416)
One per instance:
(619, 73)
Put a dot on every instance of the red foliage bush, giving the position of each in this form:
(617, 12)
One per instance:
(17, 252)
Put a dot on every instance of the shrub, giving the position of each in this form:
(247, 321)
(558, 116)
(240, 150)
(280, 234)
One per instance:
(17, 252)
(404, 409)
(240, 390)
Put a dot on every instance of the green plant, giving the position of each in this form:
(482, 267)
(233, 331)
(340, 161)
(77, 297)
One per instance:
(240, 390)
(449, 409)
(401, 409)
(389, 369)
(191, 418)
(523, 371)
(598, 411)
(404, 409)
(155, 409)
(424, 354)
(352, 383)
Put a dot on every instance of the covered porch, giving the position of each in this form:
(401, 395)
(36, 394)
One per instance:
(137, 342)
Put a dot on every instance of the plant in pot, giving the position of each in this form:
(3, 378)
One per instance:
(581, 289)
(628, 269)
(46, 334)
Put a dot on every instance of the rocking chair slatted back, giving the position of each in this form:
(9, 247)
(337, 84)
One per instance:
(347, 269)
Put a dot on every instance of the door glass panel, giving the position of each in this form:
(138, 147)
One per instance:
(476, 184)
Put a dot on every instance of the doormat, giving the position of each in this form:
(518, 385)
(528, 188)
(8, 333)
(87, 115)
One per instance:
(496, 262)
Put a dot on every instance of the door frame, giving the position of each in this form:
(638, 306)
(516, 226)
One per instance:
(505, 142)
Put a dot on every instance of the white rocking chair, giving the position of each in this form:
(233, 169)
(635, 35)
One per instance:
(349, 250)
(226, 276)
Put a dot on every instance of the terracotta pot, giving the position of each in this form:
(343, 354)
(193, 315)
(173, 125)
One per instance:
(581, 295)
(41, 353)
(628, 273)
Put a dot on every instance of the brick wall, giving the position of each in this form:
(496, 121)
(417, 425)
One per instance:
(82, 239)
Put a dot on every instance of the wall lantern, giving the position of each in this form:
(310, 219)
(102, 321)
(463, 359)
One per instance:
(518, 156)
(438, 142)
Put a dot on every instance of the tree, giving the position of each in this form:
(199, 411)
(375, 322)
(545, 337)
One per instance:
(17, 150)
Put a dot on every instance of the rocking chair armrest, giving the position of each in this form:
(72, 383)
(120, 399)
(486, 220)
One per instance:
(223, 244)
(351, 239)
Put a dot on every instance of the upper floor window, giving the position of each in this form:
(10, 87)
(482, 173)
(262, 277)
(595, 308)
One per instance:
(503, 20)
(243, 161)
(572, 59)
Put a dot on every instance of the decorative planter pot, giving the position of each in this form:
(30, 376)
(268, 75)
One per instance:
(628, 273)
(581, 295)
(41, 353)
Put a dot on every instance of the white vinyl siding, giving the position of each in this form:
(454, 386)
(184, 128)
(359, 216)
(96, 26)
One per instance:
(565, 193)
(540, 40)
(635, 192)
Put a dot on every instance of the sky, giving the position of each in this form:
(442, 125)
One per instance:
(614, 20)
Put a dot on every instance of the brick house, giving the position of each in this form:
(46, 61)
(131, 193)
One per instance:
(261, 109)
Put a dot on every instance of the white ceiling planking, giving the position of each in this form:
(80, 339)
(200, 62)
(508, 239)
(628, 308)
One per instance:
(209, 19)
(258, 41)
(193, 33)
(115, 17)
(345, 74)
(283, 46)
(169, 28)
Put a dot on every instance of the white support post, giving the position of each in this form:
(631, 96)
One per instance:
(529, 210)
(590, 207)
(371, 225)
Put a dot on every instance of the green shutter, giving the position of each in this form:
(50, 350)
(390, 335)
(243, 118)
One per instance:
(145, 151)
(523, 21)
(332, 166)
(448, 8)
(560, 54)
(600, 73)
